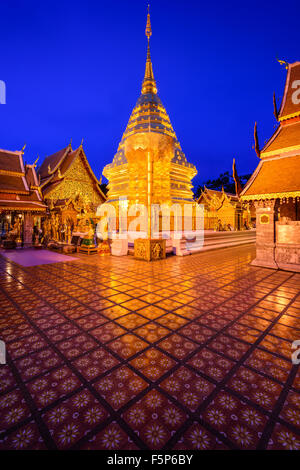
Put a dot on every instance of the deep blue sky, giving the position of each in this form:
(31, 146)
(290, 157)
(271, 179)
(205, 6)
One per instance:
(74, 69)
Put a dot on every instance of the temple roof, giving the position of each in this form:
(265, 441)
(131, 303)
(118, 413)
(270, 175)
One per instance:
(213, 194)
(54, 168)
(285, 138)
(31, 176)
(21, 205)
(274, 178)
(13, 184)
(11, 161)
(19, 188)
(278, 173)
(52, 162)
(290, 105)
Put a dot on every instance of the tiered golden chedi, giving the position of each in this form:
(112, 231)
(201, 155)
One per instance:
(149, 130)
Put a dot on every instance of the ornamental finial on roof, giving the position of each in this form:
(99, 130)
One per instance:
(148, 30)
(149, 85)
(283, 62)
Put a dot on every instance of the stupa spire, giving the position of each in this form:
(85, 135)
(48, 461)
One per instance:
(149, 84)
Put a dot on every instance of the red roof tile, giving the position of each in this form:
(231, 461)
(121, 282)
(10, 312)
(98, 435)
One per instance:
(11, 161)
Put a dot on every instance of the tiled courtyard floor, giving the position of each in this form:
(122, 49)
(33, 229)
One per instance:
(113, 353)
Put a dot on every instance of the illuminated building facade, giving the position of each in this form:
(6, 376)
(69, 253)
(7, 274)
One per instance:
(224, 211)
(21, 201)
(274, 187)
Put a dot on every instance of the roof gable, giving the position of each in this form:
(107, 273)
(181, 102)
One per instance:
(290, 105)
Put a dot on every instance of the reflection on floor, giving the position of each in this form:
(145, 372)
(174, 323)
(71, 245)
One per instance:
(186, 353)
(32, 257)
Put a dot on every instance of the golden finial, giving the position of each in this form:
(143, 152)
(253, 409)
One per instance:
(283, 62)
(81, 142)
(34, 164)
(148, 30)
(149, 85)
(70, 144)
(23, 148)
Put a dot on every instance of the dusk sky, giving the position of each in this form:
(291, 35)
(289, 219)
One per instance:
(73, 69)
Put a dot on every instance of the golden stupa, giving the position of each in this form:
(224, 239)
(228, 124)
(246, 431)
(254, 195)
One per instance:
(149, 132)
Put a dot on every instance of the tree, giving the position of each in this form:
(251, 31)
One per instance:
(104, 188)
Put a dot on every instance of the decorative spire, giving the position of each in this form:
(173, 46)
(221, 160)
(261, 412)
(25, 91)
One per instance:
(256, 143)
(149, 84)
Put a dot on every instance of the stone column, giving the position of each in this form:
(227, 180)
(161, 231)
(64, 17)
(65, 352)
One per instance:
(28, 229)
(265, 234)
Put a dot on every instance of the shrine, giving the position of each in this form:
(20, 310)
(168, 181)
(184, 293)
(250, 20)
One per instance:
(224, 211)
(72, 194)
(21, 202)
(274, 187)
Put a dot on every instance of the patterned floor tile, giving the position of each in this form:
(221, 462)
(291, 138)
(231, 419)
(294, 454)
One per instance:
(13, 409)
(37, 363)
(110, 438)
(172, 321)
(284, 439)
(239, 422)
(52, 386)
(107, 332)
(24, 438)
(73, 418)
(255, 387)
(127, 345)
(211, 364)
(7, 379)
(77, 345)
(178, 346)
(95, 363)
(269, 364)
(152, 332)
(198, 438)
(187, 387)
(153, 364)
(197, 332)
(155, 419)
(230, 347)
(120, 386)
(291, 409)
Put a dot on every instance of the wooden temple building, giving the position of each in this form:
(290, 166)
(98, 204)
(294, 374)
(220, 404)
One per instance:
(274, 187)
(21, 201)
(224, 211)
(149, 137)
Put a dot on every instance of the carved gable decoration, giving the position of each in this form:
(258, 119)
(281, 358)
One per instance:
(76, 182)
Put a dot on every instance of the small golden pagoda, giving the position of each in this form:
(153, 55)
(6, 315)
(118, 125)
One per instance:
(149, 136)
